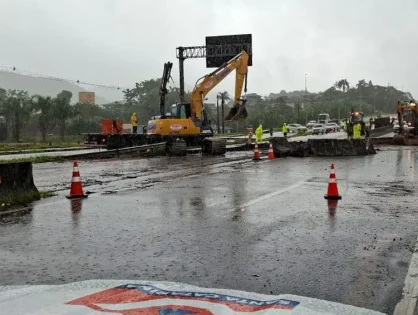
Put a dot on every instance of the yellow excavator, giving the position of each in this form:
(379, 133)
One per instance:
(188, 124)
(407, 112)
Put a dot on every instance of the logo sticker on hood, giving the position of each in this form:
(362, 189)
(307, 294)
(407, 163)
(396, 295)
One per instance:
(176, 127)
(147, 299)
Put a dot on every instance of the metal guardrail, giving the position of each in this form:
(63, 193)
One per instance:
(381, 130)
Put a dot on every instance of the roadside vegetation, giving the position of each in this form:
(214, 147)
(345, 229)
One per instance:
(34, 147)
(23, 200)
(35, 159)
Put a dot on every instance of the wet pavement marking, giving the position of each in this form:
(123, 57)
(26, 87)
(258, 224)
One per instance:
(408, 303)
(267, 196)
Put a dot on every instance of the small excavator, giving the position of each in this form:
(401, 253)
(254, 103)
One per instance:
(188, 124)
(407, 112)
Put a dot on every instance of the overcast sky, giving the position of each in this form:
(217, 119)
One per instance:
(119, 42)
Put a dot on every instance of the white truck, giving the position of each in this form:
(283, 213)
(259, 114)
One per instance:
(323, 118)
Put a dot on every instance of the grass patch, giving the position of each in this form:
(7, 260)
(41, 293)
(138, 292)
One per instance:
(47, 194)
(35, 159)
(23, 200)
(36, 146)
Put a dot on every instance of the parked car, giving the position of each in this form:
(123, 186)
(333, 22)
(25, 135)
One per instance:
(296, 128)
(332, 127)
(311, 124)
(318, 129)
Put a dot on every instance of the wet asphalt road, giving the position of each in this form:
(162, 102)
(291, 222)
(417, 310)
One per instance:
(228, 223)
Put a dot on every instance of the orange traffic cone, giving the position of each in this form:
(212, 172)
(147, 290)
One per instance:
(256, 152)
(332, 186)
(76, 190)
(271, 153)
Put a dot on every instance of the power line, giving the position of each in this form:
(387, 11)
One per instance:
(52, 78)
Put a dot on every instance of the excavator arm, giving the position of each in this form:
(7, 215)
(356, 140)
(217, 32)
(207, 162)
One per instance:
(163, 88)
(240, 64)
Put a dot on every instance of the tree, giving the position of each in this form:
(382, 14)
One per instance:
(86, 118)
(342, 85)
(144, 99)
(65, 95)
(63, 111)
(361, 84)
(16, 110)
(3, 125)
(226, 96)
(44, 109)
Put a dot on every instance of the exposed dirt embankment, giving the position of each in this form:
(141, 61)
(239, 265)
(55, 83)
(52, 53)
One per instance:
(323, 147)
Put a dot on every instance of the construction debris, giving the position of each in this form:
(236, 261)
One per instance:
(322, 147)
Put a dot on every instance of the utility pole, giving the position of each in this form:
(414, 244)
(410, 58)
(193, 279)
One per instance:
(181, 72)
(306, 86)
(217, 114)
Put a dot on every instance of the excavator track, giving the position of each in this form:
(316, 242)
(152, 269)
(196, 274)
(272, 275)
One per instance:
(213, 146)
(177, 148)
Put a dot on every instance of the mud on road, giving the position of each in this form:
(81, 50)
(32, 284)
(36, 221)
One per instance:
(226, 222)
(110, 176)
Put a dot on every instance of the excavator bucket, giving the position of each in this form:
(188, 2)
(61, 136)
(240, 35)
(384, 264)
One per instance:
(238, 112)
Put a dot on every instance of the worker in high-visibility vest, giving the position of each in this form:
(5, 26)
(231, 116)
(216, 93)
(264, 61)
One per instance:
(284, 129)
(357, 131)
(259, 133)
(134, 123)
(354, 131)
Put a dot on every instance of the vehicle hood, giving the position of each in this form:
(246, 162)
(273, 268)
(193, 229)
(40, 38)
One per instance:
(146, 297)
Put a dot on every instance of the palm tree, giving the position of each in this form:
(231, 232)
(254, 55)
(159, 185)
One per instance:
(226, 95)
(342, 85)
(345, 85)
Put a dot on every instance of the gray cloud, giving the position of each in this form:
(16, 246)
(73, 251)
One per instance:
(121, 42)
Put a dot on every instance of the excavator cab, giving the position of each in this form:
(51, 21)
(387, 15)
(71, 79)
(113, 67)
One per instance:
(357, 117)
(184, 111)
(180, 110)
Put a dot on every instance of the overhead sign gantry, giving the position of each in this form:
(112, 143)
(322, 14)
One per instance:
(217, 51)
